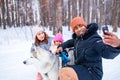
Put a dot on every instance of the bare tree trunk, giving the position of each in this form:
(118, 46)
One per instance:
(55, 17)
(97, 12)
(102, 17)
(15, 21)
(30, 15)
(88, 11)
(64, 16)
(12, 13)
(74, 8)
(3, 14)
(52, 20)
(69, 13)
(64, 13)
(115, 16)
(0, 14)
(44, 12)
(93, 10)
(108, 11)
(80, 7)
(8, 14)
(17, 13)
(118, 12)
(85, 9)
(0, 21)
(59, 15)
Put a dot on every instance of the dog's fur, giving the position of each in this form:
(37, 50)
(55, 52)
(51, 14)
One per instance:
(71, 56)
(45, 62)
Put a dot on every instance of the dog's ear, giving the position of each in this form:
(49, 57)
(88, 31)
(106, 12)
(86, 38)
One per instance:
(33, 48)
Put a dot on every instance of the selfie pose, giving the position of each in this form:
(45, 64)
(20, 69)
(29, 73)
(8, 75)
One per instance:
(89, 49)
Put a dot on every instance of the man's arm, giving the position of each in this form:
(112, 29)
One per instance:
(67, 44)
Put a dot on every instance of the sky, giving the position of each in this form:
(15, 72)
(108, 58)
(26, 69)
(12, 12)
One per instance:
(15, 46)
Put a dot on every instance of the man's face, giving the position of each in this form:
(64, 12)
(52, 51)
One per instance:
(80, 30)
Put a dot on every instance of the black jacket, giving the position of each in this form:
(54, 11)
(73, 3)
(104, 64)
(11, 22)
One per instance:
(88, 52)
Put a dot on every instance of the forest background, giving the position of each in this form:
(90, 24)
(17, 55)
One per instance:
(54, 14)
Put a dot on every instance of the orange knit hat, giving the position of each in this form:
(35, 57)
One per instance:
(76, 21)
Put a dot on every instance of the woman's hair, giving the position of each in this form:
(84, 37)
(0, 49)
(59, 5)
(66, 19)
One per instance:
(38, 42)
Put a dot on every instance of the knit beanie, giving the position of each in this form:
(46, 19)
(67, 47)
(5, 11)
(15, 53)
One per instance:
(58, 37)
(76, 21)
(37, 29)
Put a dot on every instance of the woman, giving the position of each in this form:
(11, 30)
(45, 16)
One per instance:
(42, 40)
(88, 52)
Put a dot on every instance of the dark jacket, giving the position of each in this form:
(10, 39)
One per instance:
(88, 52)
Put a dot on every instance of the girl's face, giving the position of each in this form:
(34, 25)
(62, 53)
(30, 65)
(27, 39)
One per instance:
(57, 43)
(41, 36)
(79, 30)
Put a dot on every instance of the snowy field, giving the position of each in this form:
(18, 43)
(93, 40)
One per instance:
(15, 48)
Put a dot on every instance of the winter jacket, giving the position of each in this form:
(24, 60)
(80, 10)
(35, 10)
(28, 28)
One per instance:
(88, 52)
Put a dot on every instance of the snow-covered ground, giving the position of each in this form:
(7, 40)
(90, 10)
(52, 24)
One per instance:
(15, 48)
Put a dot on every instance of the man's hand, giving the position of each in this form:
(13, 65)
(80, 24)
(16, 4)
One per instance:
(111, 39)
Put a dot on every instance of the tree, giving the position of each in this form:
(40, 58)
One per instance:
(69, 12)
(101, 8)
(58, 15)
(115, 15)
(74, 8)
(8, 14)
(52, 19)
(3, 14)
(44, 12)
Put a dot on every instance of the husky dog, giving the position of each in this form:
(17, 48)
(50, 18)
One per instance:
(45, 62)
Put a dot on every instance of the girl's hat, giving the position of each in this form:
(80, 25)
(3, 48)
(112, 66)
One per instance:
(77, 21)
(35, 30)
(58, 37)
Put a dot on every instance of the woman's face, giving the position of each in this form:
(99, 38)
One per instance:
(79, 30)
(41, 36)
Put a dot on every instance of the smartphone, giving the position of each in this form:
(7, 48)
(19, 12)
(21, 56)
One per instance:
(105, 28)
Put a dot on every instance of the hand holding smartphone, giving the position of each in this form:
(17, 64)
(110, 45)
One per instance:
(105, 28)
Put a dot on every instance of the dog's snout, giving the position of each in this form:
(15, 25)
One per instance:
(24, 62)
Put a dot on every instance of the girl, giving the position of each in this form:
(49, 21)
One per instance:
(58, 39)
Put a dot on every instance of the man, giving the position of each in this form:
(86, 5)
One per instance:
(89, 49)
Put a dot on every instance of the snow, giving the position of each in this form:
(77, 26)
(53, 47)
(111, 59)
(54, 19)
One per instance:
(15, 46)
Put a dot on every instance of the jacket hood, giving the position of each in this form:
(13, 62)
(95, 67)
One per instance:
(91, 29)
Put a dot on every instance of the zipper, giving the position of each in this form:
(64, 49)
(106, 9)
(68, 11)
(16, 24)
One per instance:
(77, 42)
(76, 48)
